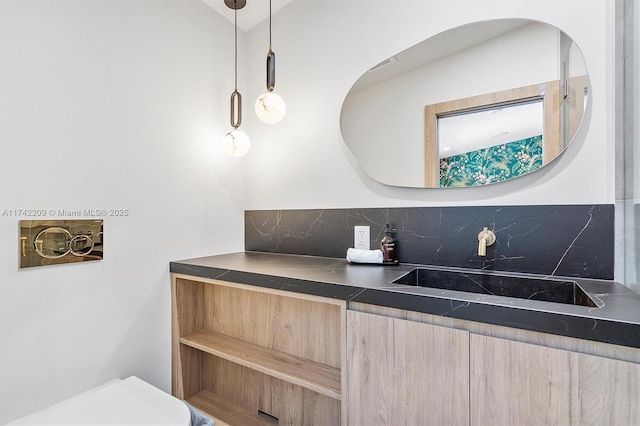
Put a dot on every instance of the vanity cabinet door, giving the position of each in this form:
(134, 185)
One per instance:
(515, 383)
(402, 372)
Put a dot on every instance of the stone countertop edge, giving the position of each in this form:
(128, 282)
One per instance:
(616, 321)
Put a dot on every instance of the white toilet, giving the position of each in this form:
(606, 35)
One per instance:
(119, 402)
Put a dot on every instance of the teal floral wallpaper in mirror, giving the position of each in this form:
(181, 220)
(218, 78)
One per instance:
(493, 164)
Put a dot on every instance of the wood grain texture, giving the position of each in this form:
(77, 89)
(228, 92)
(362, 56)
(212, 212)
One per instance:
(253, 391)
(238, 349)
(189, 308)
(227, 414)
(303, 372)
(604, 391)
(511, 385)
(176, 362)
(431, 160)
(344, 405)
(588, 347)
(551, 132)
(190, 377)
(515, 383)
(186, 317)
(405, 373)
(307, 328)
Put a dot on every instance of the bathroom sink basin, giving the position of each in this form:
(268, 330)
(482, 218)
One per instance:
(547, 290)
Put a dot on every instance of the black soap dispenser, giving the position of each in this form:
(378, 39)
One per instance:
(388, 247)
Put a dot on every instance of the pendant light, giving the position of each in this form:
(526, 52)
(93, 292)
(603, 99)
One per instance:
(236, 142)
(270, 107)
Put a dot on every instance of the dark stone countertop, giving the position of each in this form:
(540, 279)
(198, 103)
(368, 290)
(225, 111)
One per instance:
(616, 320)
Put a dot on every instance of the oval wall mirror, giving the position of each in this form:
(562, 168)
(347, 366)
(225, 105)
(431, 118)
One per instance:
(474, 105)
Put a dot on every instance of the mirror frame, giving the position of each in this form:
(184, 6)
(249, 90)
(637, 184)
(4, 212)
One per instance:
(548, 92)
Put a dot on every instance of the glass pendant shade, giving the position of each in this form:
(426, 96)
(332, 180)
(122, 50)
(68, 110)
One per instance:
(270, 108)
(236, 143)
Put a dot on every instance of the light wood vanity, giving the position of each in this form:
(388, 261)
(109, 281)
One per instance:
(257, 348)
(451, 372)
(246, 355)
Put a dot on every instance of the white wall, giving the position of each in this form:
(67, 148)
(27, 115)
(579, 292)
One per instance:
(109, 104)
(323, 46)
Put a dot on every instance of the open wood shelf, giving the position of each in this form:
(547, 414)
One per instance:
(242, 354)
(308, 374)
(224, 413)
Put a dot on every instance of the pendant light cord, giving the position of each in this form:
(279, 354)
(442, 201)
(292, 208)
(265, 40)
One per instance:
(269, 24)
(235, 24)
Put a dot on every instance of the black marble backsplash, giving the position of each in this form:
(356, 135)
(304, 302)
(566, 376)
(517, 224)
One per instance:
(562, 240)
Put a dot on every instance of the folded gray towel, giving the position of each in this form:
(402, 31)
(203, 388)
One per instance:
(197, 418)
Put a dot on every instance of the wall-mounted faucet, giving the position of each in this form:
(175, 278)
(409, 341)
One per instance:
(485, 238)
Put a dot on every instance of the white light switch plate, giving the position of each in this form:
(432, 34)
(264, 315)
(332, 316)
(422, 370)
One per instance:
(361, 237)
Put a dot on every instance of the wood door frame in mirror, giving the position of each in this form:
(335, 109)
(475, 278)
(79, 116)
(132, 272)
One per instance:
(549, 92)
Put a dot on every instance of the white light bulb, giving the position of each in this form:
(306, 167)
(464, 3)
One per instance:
(236, 143)
(270, 108)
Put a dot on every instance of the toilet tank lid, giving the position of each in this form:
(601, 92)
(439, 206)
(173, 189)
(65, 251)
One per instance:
(130, 401)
